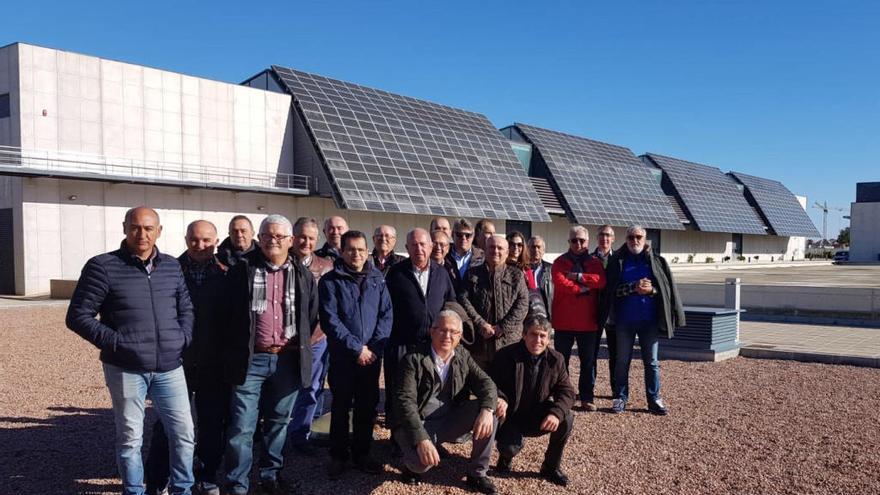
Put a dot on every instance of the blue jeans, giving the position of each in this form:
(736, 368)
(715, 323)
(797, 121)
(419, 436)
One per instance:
(648, 342)
(310, 400)
(270, 387)
(168, 392)
(588, 352)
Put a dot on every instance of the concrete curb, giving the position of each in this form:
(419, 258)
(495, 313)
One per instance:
(761, 352)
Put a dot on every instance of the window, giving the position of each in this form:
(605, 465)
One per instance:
(4, 106)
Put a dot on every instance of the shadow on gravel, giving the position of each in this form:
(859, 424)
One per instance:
(63, 453)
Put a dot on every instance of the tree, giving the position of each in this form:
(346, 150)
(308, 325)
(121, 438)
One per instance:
(843, 237)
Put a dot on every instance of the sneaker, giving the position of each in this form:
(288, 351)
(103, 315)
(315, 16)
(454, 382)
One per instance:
(503, 465)
(481, 484)
(408, 477)
(589, 406)
(205, 488)
(658, 407)
(618, 406)
(337, 467)
(555, 476)
(369, 465)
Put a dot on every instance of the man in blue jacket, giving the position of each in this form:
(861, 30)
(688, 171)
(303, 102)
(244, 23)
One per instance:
(355, 311)
(146, 323)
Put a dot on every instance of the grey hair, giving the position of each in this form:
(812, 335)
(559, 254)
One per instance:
(379, 230)
(539, 321)
(536, 238)
(448, 313)
(412, 234)
(302, 222)
(632, 229)
(277, 220)
(578, 228)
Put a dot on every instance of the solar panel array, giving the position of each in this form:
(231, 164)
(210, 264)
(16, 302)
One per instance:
(602, 183)
(389, 153)
(785, 214)
(712, 199)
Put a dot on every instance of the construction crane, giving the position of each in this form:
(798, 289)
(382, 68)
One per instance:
(825, 208)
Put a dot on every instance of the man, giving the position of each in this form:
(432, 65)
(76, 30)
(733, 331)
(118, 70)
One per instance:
(239, 243)
(578, 279)
(356, 316)
(463, 255)
(484, 230)
(496, 300)
(433, 404)
(541, 269)
(603, 252)
(146, 322)
(534, 398)
(383, 256)
(334, 228)
(440, 254)
(441, 224)
(643, 300)
(202, 364)
(272, 311)
(419, 289)
(310, 400)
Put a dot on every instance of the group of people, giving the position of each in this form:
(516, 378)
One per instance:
(242, 336)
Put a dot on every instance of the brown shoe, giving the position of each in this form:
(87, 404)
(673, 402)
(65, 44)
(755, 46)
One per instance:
(589, 406)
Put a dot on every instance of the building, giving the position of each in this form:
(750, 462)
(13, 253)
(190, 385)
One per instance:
(82, 139)
(864, 230)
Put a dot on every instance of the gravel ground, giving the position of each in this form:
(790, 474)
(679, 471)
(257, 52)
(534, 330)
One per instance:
(742, 426)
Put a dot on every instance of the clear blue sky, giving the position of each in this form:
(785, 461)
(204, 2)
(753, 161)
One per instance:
(788, 90)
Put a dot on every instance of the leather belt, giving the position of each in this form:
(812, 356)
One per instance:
(276, 349)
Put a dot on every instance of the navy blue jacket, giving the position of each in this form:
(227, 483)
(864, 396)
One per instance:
(352, 318)
(413, 312)
(146, 319)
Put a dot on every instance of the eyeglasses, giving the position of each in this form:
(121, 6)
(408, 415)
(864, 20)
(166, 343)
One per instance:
(635, 237)
(577, 240)
(605, 234)
(464, 235)
(269, 237)
(517, 244)
(448, 332)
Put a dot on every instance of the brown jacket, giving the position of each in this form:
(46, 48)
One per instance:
(502, 301)
(555, 392)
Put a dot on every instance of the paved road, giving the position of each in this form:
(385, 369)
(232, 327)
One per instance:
(811, 343)
(822, 275)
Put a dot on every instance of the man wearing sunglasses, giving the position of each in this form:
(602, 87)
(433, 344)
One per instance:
(463, 254)
(642, 299)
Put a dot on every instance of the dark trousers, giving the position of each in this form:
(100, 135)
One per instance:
(511, 432)
(588, 352)
(211, 401)
(611, 342)
(355, 390)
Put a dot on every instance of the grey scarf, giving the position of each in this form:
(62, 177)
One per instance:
(259, 302)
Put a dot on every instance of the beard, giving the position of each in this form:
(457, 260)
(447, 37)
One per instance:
(637, 250)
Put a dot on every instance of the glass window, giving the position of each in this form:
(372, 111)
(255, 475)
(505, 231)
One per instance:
(4, 106)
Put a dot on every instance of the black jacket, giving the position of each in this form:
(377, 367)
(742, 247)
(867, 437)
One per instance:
(555, 392)
(670, 313)
(229, 256)
(478, 257)
(545, 286)
(327, 251)
(413, 312)
(146, 319)
(393, 259)
(240, 322)
(206, 352)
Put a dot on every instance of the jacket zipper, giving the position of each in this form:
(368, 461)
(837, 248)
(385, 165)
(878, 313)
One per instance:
(155, 319)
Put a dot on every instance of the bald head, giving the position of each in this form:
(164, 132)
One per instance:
(334, 227)
(142, 229)
(201, 239)
(497, 249)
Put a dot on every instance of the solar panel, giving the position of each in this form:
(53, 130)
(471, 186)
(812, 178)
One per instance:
(602, 183)
(712, 199)
(785, 214)
(389, 153)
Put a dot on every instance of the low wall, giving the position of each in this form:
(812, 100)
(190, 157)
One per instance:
(783, 299)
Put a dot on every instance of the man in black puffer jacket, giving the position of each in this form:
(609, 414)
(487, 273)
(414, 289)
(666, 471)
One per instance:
(146, 323)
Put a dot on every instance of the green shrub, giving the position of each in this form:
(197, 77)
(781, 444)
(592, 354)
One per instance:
(740, 258)
(690, 258)
(710, 259)
(675, 260)
(725, 259)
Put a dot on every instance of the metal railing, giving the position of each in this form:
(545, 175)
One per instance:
(73, 163)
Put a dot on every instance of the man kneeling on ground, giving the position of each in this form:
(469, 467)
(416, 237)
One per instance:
(432, 405)
(535, 397)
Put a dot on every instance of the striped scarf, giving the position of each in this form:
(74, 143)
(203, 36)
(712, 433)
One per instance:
(259, 300)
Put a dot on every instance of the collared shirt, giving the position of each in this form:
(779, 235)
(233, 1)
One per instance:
(197, 272)
(603, 259)
(270, 324)
(440, 366)
(148, 263)
(462, 262)
(422, 277)
(538, 271)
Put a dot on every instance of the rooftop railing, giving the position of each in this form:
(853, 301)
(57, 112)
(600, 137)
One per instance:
(91, 166)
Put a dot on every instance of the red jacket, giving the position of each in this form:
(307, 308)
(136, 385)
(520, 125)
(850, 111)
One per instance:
(576, 303)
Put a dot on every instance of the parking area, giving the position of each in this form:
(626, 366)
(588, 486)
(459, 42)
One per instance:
(801, 275)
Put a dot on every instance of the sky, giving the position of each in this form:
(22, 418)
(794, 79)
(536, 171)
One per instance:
(788, 90)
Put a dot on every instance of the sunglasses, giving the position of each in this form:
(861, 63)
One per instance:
(635, 237)
(517, 244)
(577, 240)
(464, 235)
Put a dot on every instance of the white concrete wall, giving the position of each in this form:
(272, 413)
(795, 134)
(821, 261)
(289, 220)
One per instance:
(681, 244)
(120, 110)
(864, 232)
(10, 128)
(835, 300)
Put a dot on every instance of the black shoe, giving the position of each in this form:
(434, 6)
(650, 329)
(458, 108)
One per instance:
(658, 407)
(408, 477)
(442, 452)
(481, 484)
(305, 449)
(555, 476)
(503, 465)
(337, 467)
(369, 465)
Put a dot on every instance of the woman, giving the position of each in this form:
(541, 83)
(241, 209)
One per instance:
(518, 256)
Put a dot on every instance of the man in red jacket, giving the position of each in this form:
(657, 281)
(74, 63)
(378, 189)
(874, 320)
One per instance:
(578, 278)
